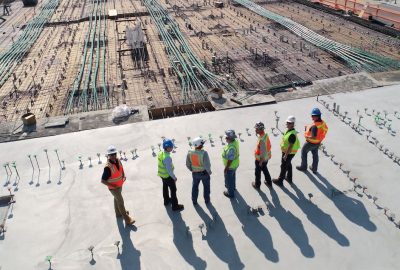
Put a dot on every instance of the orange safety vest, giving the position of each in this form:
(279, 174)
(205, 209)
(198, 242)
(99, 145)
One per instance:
(322, 129)
(116, 179)
(196, 158)
(263, 139)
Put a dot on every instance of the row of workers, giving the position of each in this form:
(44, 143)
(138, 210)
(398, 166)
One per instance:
(198, 162)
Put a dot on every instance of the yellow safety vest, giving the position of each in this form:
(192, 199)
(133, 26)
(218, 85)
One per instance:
(235, 162)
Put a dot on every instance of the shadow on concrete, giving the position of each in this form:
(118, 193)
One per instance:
(353, 209)
(217, 237)
(316, 216)
(130, 256)
(184, 241)
(290, 224)
(253, 228)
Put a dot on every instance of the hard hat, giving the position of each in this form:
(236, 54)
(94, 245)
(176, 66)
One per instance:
(111, 150)
(259, 125)
(198, 142)
(315, 111)
(230, 133)
(167, 143)
(291, 119)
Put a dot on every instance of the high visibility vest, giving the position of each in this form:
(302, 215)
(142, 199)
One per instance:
(322, 129)
(264, 139)
(285, 142)
(235, 162)
(162, 170)
(116, 179)
(196, 159)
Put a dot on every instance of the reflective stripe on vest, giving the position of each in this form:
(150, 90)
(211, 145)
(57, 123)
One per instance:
(285, 142)
(116, 179)
(265, 140)
(322, 129)
(162, 171)
(196, 159)
(235, 162)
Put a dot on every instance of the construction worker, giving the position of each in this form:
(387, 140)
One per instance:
(114, 178)
(166, 172)
(290, 144)
(198, 162)
(314, 135)
(230, 158)
(262, 155)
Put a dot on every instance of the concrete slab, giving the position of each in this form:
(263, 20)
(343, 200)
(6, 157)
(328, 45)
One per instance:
(60, 213)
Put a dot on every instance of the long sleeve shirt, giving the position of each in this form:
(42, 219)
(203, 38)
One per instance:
(168, 165)
(206, 162)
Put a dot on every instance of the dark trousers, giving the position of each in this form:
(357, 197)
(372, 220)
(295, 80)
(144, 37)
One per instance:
(169, 183)
(263, 168)
(286, 168)
(307, 147)
(204, 177)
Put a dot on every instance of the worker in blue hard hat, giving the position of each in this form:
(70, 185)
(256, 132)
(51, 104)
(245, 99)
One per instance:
(230, 159)
(166, 172)
(314, 135)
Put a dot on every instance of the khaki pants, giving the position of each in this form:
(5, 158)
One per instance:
(118, 202)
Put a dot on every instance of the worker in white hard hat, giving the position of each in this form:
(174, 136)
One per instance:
(289, 146)
(230, 159)
(262, 155)
(114, 178)
(198, 162)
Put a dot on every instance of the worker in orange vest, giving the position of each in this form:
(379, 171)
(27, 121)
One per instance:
(262, 155)
(114, 178)
(198, 162)
(314, 135)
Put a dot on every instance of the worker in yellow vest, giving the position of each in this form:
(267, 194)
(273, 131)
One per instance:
(114, 178)
(314, 134)
(289, 146)
(198, 162)
(230, 159)
(262, 155)
(166, 172)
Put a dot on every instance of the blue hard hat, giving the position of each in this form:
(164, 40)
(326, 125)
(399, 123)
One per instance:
(167, 143)
(315, 111)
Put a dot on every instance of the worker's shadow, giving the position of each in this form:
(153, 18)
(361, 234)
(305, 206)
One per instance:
(130, 256)
(289, 223)
(253, 229)
(353, 209)
(316, 216)
(217, 237)
(184, 241)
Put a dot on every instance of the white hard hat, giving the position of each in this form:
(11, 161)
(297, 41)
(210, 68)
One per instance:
(111, 150)
(291, 119)
(198, 142)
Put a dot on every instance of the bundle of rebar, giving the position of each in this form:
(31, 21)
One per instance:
(194, 78)
(357, 59)
(14, 54)
(85, 83)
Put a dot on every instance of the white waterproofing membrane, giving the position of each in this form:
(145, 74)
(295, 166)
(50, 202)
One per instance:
(61, 213)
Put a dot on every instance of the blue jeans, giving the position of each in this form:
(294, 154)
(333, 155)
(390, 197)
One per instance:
(230, 181)
(307, 147)
(205, 178)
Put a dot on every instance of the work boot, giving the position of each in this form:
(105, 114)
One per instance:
(268, 183)
(255, 185)
(226, 193)
(301, 168)
(178, 207)
(278, 182)
(128, 220)
(311, 169)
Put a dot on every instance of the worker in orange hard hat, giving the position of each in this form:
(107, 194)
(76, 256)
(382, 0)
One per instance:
(314, 134)
(198, 162)
(114, 178)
